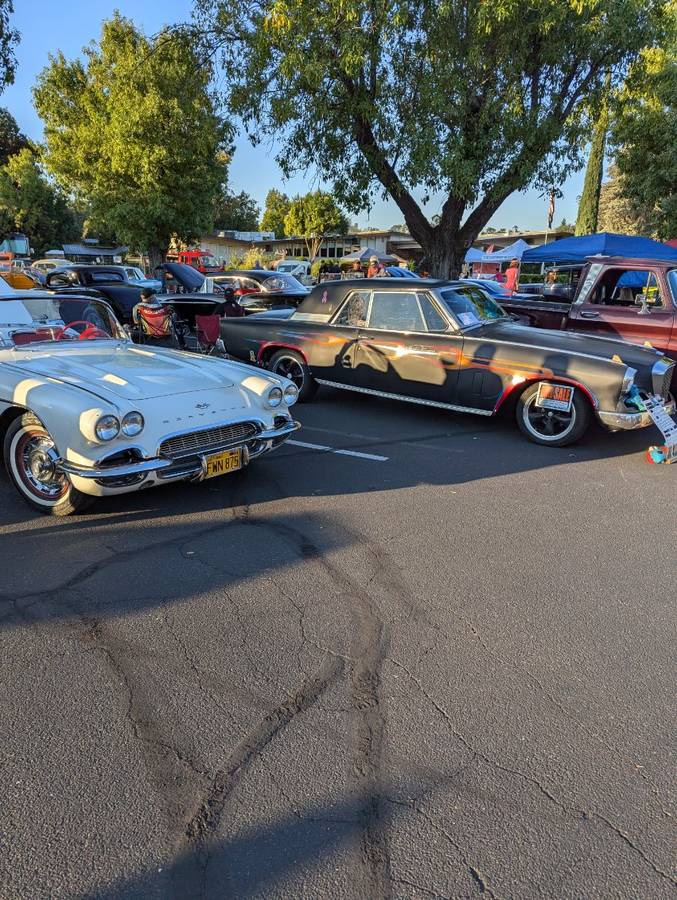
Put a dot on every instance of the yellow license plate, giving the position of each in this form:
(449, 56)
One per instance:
(222, 463)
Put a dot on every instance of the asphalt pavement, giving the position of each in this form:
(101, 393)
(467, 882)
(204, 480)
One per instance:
(410, 655)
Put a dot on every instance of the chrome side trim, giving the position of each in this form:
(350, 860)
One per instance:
(388, 396)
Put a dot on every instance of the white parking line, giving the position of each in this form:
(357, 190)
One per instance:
(373, 456)
(309, 446)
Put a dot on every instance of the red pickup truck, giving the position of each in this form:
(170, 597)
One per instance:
(634, 300)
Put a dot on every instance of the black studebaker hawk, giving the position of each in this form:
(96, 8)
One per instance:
(449, 345)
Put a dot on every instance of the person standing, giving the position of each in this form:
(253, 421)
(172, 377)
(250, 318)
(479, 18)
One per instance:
(376, 269)
(512, 276)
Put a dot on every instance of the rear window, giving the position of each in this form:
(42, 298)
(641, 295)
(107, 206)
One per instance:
(281, 282)
(102, 277)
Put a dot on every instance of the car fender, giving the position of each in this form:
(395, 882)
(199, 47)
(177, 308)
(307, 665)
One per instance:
(65, 410)
(268, 348)
(517, 387)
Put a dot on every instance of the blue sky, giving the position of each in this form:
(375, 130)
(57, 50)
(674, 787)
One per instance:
(47, 26)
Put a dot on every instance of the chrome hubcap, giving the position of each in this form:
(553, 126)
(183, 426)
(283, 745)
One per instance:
(290, 368)
(36, 458)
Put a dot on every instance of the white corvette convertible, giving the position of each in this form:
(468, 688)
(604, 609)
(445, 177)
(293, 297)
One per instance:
(86, 413)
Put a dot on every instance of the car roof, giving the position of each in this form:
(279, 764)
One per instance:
(327, 296)
(84, 267)
(250, 273)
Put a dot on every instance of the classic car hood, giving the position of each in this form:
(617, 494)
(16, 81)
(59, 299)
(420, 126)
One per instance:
(126, 370)
(569, 342)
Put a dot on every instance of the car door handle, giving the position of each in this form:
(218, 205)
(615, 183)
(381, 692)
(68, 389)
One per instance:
(589, 314)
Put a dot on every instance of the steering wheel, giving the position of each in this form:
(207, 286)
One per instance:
(91, 331)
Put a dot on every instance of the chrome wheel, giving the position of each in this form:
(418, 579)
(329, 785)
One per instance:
(547, 424)
(289, 367)
(33, 457)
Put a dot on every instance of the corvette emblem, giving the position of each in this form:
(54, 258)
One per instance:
(202, 405)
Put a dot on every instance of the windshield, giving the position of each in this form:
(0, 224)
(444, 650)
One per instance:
(281, 282)
(471, 306)
(40, 320)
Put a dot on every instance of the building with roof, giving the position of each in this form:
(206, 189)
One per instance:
(91, 251)
(394, 243)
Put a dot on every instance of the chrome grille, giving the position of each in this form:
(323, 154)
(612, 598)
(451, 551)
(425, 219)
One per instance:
(207, 439)
(661, 376)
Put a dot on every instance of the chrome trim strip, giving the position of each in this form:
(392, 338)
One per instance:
(102, 472)
(388, 396)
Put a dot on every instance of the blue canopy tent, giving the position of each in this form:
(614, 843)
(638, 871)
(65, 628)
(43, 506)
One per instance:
(473, 255)
(576, 249)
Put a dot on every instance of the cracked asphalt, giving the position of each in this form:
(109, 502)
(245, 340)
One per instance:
(448, 673)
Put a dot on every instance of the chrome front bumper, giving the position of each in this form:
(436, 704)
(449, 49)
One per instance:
(622, 421)
(190, 468)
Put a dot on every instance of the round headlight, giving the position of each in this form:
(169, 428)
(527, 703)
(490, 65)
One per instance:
(132, 424)
(291, 394)
(107, 428)
(275, 397)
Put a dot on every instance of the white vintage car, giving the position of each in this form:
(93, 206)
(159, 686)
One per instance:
(86, 413)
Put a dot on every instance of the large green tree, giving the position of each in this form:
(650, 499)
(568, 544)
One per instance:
(11, 139)
(133, 132)
(277, 207)
(313, 217)
(457, 100)
(645, 135)
(235, 212)
(30, 203)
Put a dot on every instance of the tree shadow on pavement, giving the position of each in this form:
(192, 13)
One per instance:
(126, 569)
(259, 859)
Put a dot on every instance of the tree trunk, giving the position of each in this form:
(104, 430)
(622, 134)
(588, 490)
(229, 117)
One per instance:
(443, 255)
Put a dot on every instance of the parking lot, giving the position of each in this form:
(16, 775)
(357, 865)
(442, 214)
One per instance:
(410, 654)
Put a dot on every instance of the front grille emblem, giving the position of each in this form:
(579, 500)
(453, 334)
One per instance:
(202, 405)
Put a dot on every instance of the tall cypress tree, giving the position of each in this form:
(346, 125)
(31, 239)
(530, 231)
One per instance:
(588, 208)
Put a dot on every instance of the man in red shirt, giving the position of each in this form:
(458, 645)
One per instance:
(512, 275)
